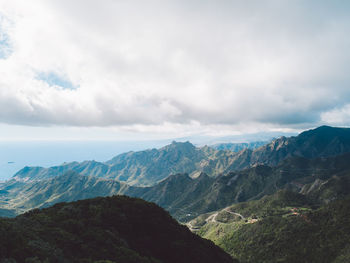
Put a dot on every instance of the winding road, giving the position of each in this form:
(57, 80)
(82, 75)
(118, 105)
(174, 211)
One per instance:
(212, 218)
(233, 213)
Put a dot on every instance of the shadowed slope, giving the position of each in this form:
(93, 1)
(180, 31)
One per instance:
(120, 229)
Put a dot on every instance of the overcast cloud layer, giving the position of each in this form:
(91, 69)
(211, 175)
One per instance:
(157, 64)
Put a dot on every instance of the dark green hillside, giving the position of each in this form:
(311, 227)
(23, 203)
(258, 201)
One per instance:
(118, 228)
(284, 227)
(324, 141)
(317, 236)
(179, 194)
(324, 191)
(276, 204)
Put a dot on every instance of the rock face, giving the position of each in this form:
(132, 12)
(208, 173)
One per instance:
(112, 229)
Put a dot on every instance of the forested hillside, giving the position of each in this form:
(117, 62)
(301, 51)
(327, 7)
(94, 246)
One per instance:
(118, 229)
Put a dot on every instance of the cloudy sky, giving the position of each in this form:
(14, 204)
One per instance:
(158, 69)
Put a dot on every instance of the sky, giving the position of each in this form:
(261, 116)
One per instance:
(135, 70)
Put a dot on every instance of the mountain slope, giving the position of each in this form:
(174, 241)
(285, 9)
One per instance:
(155, 165)
(179, 194)
(250, 184)
(284, 227)
(316, 236)
(70, 186)
(323, 141)
(119, 229)
(90, 168)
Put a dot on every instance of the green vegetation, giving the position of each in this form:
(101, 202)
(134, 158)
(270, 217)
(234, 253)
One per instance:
(217, 231)
(290, 205)
(112, 229)
(278, 204)
(284, 227)
(319, 236)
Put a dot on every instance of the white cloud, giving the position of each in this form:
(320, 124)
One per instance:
(160, 64)
(337, 116)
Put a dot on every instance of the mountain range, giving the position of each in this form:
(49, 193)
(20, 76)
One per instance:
(146, 168)
(135, 168)
(237, 199)
(186, 197)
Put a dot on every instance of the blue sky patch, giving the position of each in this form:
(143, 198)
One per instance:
(5, 47)
(54, 79)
